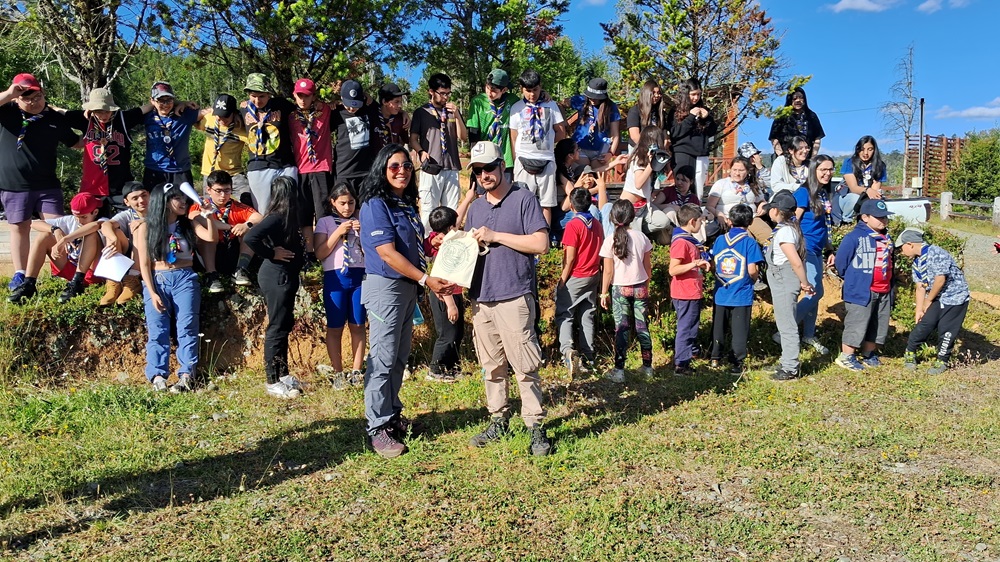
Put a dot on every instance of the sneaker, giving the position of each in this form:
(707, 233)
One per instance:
(159, 383)
(402, 427)
(586, 366)
(616, 375)
(871, 361)
(715, 364)
(647, 371)
(112, 290)
(16, 281)
(72, 290)
(23, 292)
(776, 338)
(407, 372)
(494, 432)
(783, 375)
(540, 444)
(131, 288)
(242, 278)
(814, 343)
(569, 362)
(759, 286)
(356, 377)
(849, 362)
(937, 368)
(282, 390)
(682, 371)
(183, 384)
(214, 283)
(386, 445)
(438, 374)
(910, 361)
(291, 382)
(737, 369)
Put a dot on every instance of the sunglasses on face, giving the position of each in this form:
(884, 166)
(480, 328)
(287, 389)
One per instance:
(488, 169)
(395, 166)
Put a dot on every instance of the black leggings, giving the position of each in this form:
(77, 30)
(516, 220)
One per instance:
(278, 284)
(735, 320)
(947, 320)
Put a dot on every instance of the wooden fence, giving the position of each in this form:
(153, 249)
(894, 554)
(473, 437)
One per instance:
(947, 203)
(941, 155)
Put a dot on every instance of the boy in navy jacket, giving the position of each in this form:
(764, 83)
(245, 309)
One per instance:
(864, 262)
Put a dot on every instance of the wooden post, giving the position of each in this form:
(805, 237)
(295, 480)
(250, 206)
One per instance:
(996, 211)
(945, 205)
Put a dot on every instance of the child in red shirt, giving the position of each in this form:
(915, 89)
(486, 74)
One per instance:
(576, 293)
(687, 261)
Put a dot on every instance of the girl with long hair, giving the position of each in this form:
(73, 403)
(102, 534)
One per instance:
(278, 241)
(735, 190)
(395, 267)
(691, 127)
(642, 183)
(597, 123)
(627, 270)
(165, 243)
(650, 110)
(813, 214)
(791, 170)
(798, 121)
(863, 175)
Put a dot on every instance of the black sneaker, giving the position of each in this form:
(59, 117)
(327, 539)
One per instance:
(72, 289)
(437, 373)
(683, 371)
(494, 432)
(23, 292)
(540, 444)
(214, 283)
(736, 369)
(401, 427)
(783, 375)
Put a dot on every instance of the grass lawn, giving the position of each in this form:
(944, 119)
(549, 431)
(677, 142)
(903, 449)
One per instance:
(880, 465)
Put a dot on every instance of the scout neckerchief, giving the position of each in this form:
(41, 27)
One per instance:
(219, 138)
(920, 268)
(867, 175)
(173, 244)
(883, 259)
(741, 189)
(261, 121)
(590, 125)
(800, 173)
(827, 208)
(442, 116)
(686, 198)
(25, 121)
(586, 217)
(534, 120)
(307, 120)
(222, 215)
(497, 125)
(683, 234)
(166, 128)
(418, 228)
(801, 123)
(102, 138)
(349, 242)
(385, 128)
(770, 239)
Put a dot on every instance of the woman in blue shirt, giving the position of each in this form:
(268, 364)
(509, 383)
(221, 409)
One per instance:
(813, 212)
(597, 123)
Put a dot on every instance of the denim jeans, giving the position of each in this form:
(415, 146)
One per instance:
(181, 294)
(807, 309)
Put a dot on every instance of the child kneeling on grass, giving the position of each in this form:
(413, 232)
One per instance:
(449, 311)
(864, 262)
(576, 293)
(72, 244)
(942, 297)
(687, 262)
(627, 268)
(736, 257)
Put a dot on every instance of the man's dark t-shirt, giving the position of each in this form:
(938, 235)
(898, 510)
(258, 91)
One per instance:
(355, 139)
(274, 150)
(33, 167)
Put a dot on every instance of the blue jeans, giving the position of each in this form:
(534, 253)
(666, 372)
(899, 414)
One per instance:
(807, 309)
(847, 203)
(181, 294)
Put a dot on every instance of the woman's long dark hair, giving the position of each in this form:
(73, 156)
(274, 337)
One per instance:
(878, 166)
(562, 151)
(622, 214)
(682, 103)
(603, 113)
(788, 219)
(157, 235)
(794, 143)
(376, 186)
(805, 100)
(815, 201)
(649, 136)
(646, 108)
(284, 204)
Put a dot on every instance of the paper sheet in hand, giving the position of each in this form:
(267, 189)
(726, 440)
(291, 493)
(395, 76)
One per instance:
(456, 259)
(113, 268)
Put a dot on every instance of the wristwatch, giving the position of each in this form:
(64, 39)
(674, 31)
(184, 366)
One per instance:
(423, 281)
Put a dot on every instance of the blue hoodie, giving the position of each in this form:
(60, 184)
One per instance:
(855, 263)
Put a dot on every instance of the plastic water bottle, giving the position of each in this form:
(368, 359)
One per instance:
(418, 317)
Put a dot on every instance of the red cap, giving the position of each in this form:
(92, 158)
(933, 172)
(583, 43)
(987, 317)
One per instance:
(28, 81)
(84, 203)
(304, 86)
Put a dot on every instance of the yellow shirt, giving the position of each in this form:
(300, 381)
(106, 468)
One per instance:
(230, 142)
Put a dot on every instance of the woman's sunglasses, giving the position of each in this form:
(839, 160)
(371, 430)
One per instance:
(395, 166)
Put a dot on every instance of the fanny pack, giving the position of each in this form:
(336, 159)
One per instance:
(431, 167)
(533, 166)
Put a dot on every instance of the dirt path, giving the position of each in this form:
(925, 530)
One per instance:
(982, 264)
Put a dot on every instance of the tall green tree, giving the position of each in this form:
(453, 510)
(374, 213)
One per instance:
(975, 178)
(729, 45)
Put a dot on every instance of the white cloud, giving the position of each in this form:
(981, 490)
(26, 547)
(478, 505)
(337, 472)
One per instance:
(862, 5)
(991, 110)
(930, 6)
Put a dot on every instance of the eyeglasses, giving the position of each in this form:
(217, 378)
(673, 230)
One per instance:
(222, 190)
(488, 169)
(395, 166)
(443, 94)
(827, 170)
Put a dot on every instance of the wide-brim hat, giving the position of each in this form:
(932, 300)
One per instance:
(257, 82)
(100, 100)
(597, 89)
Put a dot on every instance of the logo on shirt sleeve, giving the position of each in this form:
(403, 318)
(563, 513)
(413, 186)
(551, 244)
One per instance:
(377, 233)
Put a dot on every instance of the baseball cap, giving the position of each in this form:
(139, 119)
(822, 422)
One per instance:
(131, 186)
(28, 81)
(659, 160)
(875, 208)
(597, 89)
(161, 90)
(484, 152)
(84, 203)
(783, 201)
(257, 82)
(304, 86)
(497, 77)
(748, 150)
(351, 94)
(909, 236)
(225, 105)
(390, 91)
(587, 170)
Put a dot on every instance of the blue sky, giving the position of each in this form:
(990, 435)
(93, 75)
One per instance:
(853, 62)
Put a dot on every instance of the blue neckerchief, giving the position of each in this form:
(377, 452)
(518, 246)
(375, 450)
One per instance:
(418, 228)
(442, 116)
(681, 233)
(497, 124)
(920, 267)
(880, 237)
(770, 239)
(261, 123)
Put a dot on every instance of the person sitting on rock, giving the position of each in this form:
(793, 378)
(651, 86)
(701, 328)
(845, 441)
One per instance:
(71, 243)
(117, 233)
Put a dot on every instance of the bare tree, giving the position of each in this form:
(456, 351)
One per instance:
(900, 111)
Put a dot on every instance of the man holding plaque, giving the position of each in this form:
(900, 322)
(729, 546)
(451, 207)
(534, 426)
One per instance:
(509, 220)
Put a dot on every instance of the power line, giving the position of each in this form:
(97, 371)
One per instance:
(850, 110)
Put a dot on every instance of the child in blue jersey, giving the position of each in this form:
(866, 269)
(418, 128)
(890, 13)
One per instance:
(736, 255)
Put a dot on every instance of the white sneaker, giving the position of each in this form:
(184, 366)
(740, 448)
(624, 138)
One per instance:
(282, 390)
(647, 372)
(814, 343)
(159, 383)
(616, 375)
(183, 384)
(292, 382)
